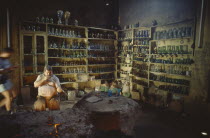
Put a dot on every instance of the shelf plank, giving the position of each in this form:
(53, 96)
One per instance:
(142, 38)
(142, 45)
(171, 64)
(172, 39)
(66, 49)
(29, 54)
(101, 57)
(63, 83)
(173, 54)
(101, 29)
(66, 37)
(101, 50)
(169, 83)
(140, 78)
(70, 73)
(139, 84)
(67, 57)
(163, 73)
(40, 54)
(103, 72)
(141, 61)
(105, 79)
(101, 39)
(70, 66)
(33, 32)
(100, 64)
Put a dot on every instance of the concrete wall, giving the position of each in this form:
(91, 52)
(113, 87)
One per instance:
(164, 11)
(200, 84)
(88, 13)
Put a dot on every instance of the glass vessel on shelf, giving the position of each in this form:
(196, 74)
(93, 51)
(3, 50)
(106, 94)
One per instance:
(66, 17)
(60, 15)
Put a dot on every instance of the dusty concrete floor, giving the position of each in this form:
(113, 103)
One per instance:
(160, 123)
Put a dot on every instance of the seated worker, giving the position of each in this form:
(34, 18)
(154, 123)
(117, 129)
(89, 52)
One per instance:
(48, 86)
(104, 86)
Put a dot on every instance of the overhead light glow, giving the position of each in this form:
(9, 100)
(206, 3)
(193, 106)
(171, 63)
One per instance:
(204, 133)
(107, 4)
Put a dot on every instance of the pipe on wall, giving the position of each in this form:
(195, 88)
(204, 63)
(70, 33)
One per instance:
(201, 25)
(8, 29)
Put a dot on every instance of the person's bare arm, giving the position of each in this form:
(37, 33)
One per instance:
(58, 86)
(40, 81)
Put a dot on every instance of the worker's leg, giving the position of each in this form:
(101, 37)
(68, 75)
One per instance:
(6, 101)
(40, 104)
(53, 103)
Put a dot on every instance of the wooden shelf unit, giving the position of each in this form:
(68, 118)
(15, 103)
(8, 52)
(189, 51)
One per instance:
(149, 50)
(64, 37)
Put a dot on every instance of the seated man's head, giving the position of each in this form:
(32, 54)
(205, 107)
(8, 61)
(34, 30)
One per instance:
(6, 53)
(48, 70)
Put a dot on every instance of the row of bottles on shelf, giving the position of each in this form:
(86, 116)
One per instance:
(65, 45)
(100, 61)
(100, 46)
(124, 72)
(141, 42)
(126, 35)
(171, 60)
(175, 89)
(125, 48)
(140, 66)
(142, 74)
(140, 50)
(100, 54)
(105, 76)
(44, 20)
(169, 80)
(30, 27)
(125, 54)
(140, 82)
(141, 58)
(125, 65)
(66, 80)
(67, 63)
(69, 70)
(64, 32)
(173, 33)
(99, 70)
(141, 34)
(101, 35)
(172, 69)
(180, 49)
(65, 53)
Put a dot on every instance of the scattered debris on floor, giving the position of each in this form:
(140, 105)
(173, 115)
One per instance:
(85, 119)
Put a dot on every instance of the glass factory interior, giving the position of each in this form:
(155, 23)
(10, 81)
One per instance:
(105, 68)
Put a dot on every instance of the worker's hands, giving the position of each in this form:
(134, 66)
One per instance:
(46, 78)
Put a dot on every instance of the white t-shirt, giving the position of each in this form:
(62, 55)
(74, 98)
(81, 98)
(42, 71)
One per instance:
(48, 89)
